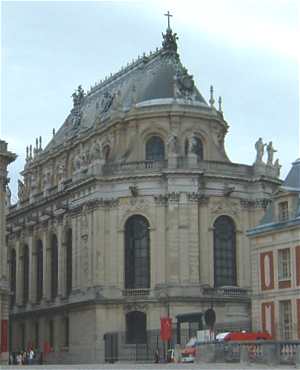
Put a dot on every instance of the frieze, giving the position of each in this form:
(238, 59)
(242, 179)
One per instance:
(165, 198)
(197, 197)
(225, 205)
(135, 307)
(256, 203)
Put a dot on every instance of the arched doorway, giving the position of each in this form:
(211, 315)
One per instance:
(136, 332)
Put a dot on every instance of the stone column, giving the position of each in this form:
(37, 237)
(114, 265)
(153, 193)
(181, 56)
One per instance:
(61, 261)
(63, 265)
(193, 238)
(172, 252)
(46, 267)
(183, 240)
(158, 241)
(75, 231)
(31, 270)
(99, 246)
(19, 274)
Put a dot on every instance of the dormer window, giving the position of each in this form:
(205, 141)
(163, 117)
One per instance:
(283, 211)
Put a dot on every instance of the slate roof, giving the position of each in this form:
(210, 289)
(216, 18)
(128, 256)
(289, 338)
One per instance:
(292, 180)
(158, 77)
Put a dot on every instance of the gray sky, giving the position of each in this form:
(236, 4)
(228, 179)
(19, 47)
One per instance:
(246, 49)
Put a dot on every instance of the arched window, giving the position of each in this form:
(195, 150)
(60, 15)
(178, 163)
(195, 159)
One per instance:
(224, 252)
(155, 149)
(69, 261)
(136, 327)
(137, 253)
(25, 274)
(39, 270)
(54, 267)
(13, 274)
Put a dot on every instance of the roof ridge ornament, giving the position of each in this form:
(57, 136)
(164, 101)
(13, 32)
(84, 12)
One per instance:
(169, 38)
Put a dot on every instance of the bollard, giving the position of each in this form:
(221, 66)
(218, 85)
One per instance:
(297, 357)
(270, 354)
(244, 356)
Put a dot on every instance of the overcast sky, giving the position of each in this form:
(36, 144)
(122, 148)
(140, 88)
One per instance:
(246, 49)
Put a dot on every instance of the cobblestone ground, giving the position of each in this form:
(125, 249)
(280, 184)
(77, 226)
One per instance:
(129, 366)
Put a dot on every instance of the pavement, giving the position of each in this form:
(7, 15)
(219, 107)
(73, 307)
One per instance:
(135, 366)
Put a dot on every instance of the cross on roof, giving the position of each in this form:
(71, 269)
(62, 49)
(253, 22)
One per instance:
(168, 15)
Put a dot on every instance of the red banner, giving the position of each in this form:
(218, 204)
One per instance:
(165, 328)
(4, 333)
(46, 348)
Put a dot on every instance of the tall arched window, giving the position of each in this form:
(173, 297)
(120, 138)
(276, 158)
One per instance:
(137, 253)
(224, 252)
(39, 270)
(136, 327)
(54, 266)
(155, 149)
(13, 274)
(25, 274)
(69, 261)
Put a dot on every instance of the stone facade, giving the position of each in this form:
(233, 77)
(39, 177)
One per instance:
(144, 143)
(275, 260)
(6, 157)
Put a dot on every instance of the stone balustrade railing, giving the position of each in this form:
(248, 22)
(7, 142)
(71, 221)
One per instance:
(128, 167)
(226, 291)
(136, 292)
(271, 353)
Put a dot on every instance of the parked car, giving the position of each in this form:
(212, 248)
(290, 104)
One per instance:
(189, 352)
(243, 335)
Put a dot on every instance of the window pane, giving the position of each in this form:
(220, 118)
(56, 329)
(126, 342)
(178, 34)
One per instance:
(224, 252)
(137, 257)
(155, 149)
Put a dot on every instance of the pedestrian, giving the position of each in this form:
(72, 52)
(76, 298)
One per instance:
(156, 356)
(19, 358)
(30, 356)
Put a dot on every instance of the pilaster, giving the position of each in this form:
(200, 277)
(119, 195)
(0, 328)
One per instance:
(19, 274)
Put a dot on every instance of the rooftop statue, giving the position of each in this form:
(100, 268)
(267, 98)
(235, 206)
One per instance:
(270, 151)
(260, 149)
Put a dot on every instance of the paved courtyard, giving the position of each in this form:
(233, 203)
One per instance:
(131, 366)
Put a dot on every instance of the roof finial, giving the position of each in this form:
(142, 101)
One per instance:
(211, 100)
(220, 104)
(169, 15)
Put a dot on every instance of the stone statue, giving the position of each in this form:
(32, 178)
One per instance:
(77, 162)
(192, 148)
(277, 167)
(47, 178)
(260, 148)
(95, 152)
(60, 171)
(271, 152)
(33, 181)
(8, 197)
(21, 191)
(172, 144)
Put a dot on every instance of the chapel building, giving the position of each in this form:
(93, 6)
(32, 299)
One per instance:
(133, 212)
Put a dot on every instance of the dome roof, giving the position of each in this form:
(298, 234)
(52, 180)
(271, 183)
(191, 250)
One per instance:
(158, 78)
